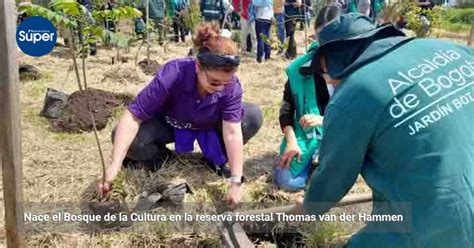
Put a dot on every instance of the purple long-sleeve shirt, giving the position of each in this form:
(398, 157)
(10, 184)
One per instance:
(173, 92)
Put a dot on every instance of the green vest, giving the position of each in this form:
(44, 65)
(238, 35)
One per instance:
(156, 9)
(352, 7)
(379, 5)
(304, 97)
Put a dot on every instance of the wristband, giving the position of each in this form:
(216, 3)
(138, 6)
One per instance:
(236, 179)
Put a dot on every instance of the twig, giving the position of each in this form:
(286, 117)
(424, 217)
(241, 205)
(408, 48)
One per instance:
(98, 144)
(67, 76)
(139, 48)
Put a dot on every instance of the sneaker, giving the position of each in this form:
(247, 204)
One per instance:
(220, 170)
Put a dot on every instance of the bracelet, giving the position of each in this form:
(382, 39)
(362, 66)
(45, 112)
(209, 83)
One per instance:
(235, 179)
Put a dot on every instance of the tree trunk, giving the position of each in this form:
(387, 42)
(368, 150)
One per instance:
(73, 53)
(83, 55)
(84, 70)
(118, 54)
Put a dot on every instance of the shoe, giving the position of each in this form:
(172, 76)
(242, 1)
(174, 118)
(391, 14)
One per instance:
(220, 170)
(148, 165)
(259, 60)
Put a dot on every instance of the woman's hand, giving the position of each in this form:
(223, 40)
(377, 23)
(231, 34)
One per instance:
(125, 132)
(234, 196)
(104, 186)
(311, 120)
(234, 144)
(292, 150)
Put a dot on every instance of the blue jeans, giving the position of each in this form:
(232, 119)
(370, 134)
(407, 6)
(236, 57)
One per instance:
(280, 18)
(286, 181)
(263, 27)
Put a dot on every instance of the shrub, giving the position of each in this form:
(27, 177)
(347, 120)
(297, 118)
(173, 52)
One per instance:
(457, 15)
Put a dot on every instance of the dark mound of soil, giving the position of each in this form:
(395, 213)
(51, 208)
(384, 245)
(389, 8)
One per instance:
(280, 234)
(28, 72)
(76, 116)
(149, 69)
(110, 208)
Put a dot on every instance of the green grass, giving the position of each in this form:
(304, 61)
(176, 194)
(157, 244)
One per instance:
(73, 137)
(325, 233)
(457, 20)
(455, 27)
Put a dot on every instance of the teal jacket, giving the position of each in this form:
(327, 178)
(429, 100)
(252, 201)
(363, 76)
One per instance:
(403, 117)
(156, 9)
(303, 90)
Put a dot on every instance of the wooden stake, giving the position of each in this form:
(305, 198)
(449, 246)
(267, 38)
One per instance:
(147, 32)
(305, 28)
(73, 54)
(470, 42)
(83, 54)
(10, 137)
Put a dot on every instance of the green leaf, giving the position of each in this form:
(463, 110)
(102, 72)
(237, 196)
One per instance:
(69, 7)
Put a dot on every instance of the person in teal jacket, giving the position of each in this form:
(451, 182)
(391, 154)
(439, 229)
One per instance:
(300, 121)
(372, 8)
(402, 116)
(156, 13)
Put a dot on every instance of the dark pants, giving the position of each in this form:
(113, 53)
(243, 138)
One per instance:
(153, 135)
(179, 29)
(280, 18)
(263, 49)
(290, 28)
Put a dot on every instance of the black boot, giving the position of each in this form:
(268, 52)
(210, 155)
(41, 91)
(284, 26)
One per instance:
(149, 165)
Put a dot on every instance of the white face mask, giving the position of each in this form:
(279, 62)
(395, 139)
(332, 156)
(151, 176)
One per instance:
(330, 89)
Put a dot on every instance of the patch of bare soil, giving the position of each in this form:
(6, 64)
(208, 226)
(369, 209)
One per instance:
(149, 67)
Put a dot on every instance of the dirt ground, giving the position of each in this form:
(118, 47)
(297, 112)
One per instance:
(62, 167)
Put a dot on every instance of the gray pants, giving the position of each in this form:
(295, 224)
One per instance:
(154, 134)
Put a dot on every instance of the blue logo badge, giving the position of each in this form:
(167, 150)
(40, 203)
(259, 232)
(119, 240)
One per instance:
(36, 36)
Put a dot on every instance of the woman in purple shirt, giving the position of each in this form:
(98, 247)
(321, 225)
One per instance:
(190, 99)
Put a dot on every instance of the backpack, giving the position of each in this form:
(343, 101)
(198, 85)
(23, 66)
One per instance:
(212, 9)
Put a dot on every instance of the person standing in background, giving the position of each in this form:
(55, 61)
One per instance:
(363, 7)
(214, 10)
(279, 14)
(292, 13)
(175, 10)
(157, 12)
(263, 23)
(359, 6)
(377, 12)
(110, 5)
(247, 25)
(87, 4)
(425, 5)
